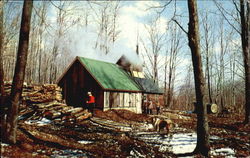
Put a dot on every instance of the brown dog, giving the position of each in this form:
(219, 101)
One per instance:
(162, 124)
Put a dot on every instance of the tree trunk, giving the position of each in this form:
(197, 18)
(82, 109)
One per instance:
(165, 82)
(18, 78)
(2, 93)
(245, 42)
(1, 55)
(203, 145)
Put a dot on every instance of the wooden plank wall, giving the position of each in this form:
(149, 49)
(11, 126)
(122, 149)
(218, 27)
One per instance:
(123, 100)
(76, 83)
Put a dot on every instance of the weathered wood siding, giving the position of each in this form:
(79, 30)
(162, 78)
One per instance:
(123, 100)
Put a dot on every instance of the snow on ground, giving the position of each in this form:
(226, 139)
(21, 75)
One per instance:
(177, 143)
(180, 143)
(3, 144)
(41, 122)
(2, 147)
(135, 153)
(85, 142)
(228, 152)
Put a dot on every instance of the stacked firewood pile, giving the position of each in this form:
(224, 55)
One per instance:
(42, 94)
(45, 101)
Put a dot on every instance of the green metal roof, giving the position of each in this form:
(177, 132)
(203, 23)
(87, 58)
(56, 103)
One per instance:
(109, 75)
(148, 85)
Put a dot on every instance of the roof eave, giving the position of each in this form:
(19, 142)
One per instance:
(123, 90)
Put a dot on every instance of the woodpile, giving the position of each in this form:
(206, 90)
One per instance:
(43, 94)
(45, 101)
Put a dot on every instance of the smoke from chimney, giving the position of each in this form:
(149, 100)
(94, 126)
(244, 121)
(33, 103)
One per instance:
(83, 44)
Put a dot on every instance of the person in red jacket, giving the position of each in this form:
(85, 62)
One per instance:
(90, 102)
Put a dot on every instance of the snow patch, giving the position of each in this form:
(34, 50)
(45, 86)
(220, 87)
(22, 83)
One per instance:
(177, 143)
(215, 138)
(147, 126)
(136, 153)
(41, 122)
(3, 144)
(223, 152)
(85, 142)
(182, 142)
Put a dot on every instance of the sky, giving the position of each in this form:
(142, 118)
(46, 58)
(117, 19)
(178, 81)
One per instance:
(134, 17)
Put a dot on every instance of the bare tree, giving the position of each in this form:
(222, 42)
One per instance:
(11, 28)
(17, 85)
(245, 42)
(186, 94)
(207, 47)
(242, 9)
(203, 145)
(64, 22)
(1, 55)
(175, 40)
(153, 48)
(42, 11)
(106, 17)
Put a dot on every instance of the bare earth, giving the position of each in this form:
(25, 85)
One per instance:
(121, 133)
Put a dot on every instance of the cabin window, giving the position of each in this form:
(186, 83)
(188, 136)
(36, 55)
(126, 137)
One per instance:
(141, 75)
(138, 74)
(135, 74)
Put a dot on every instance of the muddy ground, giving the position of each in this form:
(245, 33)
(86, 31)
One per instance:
(121, 133)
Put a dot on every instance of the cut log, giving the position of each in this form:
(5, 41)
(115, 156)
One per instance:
(51, 104)
(59, 107)
(81, 113)
(66, 109)
(212, 108)
(84, 117)
(75, 110)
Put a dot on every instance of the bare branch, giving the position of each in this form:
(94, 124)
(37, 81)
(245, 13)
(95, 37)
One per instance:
(56, 5)
(222, 11)
(163, 7)
(180, 26)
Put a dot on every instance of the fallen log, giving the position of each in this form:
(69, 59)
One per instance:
(56, 140)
